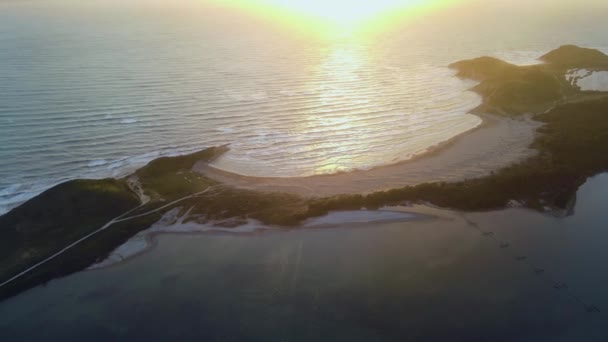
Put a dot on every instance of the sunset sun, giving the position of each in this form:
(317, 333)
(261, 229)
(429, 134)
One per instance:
(340, 14)
(343, 12)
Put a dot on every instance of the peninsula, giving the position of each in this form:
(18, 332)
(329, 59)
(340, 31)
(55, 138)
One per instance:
(75, 224)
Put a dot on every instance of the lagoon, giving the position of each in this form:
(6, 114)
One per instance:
(431, 279)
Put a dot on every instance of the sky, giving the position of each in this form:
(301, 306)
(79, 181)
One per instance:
(337, 14)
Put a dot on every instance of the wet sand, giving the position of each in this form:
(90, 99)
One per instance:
(173, 223)
(495, 144)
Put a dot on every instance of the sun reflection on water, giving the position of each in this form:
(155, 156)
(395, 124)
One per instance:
(340, 76)
(338, 102)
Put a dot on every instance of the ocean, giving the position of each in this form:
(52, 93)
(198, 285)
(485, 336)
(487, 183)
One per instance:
(97, 91)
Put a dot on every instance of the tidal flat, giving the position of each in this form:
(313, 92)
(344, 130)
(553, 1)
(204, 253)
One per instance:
(432, 279)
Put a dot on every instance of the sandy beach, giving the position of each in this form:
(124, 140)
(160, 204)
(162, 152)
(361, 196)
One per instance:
(496, 143)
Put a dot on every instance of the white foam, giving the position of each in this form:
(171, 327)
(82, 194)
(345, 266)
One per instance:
(520, 57)
(10, 190)
(596, 81)
(16, 194)
(97, 162)
(225, 129)
(588, 80)
(128, 121)
(13, 196)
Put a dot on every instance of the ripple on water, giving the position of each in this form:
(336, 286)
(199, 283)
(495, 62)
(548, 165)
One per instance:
(289, 107)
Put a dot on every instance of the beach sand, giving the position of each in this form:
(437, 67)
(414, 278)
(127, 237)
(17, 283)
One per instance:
(495, 144)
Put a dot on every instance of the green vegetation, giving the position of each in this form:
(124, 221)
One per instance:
(78, 258)
(58, 217)
(164, 165)
(274, 209)
(168, 178)
(175, 185)
(507, 89)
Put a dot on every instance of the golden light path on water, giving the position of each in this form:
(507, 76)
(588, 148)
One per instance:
(342, 64)
(361, 113)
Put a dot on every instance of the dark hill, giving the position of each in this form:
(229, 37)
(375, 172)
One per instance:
(572, 56)
(484, 68)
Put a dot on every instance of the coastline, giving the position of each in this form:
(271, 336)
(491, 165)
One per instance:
(543, 141)
(494, 144)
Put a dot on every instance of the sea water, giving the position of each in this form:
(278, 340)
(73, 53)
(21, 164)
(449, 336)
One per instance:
(97, 91)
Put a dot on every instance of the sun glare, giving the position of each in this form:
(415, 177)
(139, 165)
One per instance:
(343, 12)
(346, 15)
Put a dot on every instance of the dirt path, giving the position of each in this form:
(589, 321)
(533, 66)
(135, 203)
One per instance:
(117, 219)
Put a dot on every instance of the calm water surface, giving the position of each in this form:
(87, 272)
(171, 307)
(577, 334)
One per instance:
(430, 280)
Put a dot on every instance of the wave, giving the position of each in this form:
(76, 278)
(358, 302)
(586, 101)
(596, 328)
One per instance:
(311, 110)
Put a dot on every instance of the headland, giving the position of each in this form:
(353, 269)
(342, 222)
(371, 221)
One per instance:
(543, 137)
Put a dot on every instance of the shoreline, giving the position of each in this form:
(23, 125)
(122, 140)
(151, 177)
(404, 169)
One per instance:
(495, 143)
(171, 224)
(542, 143)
